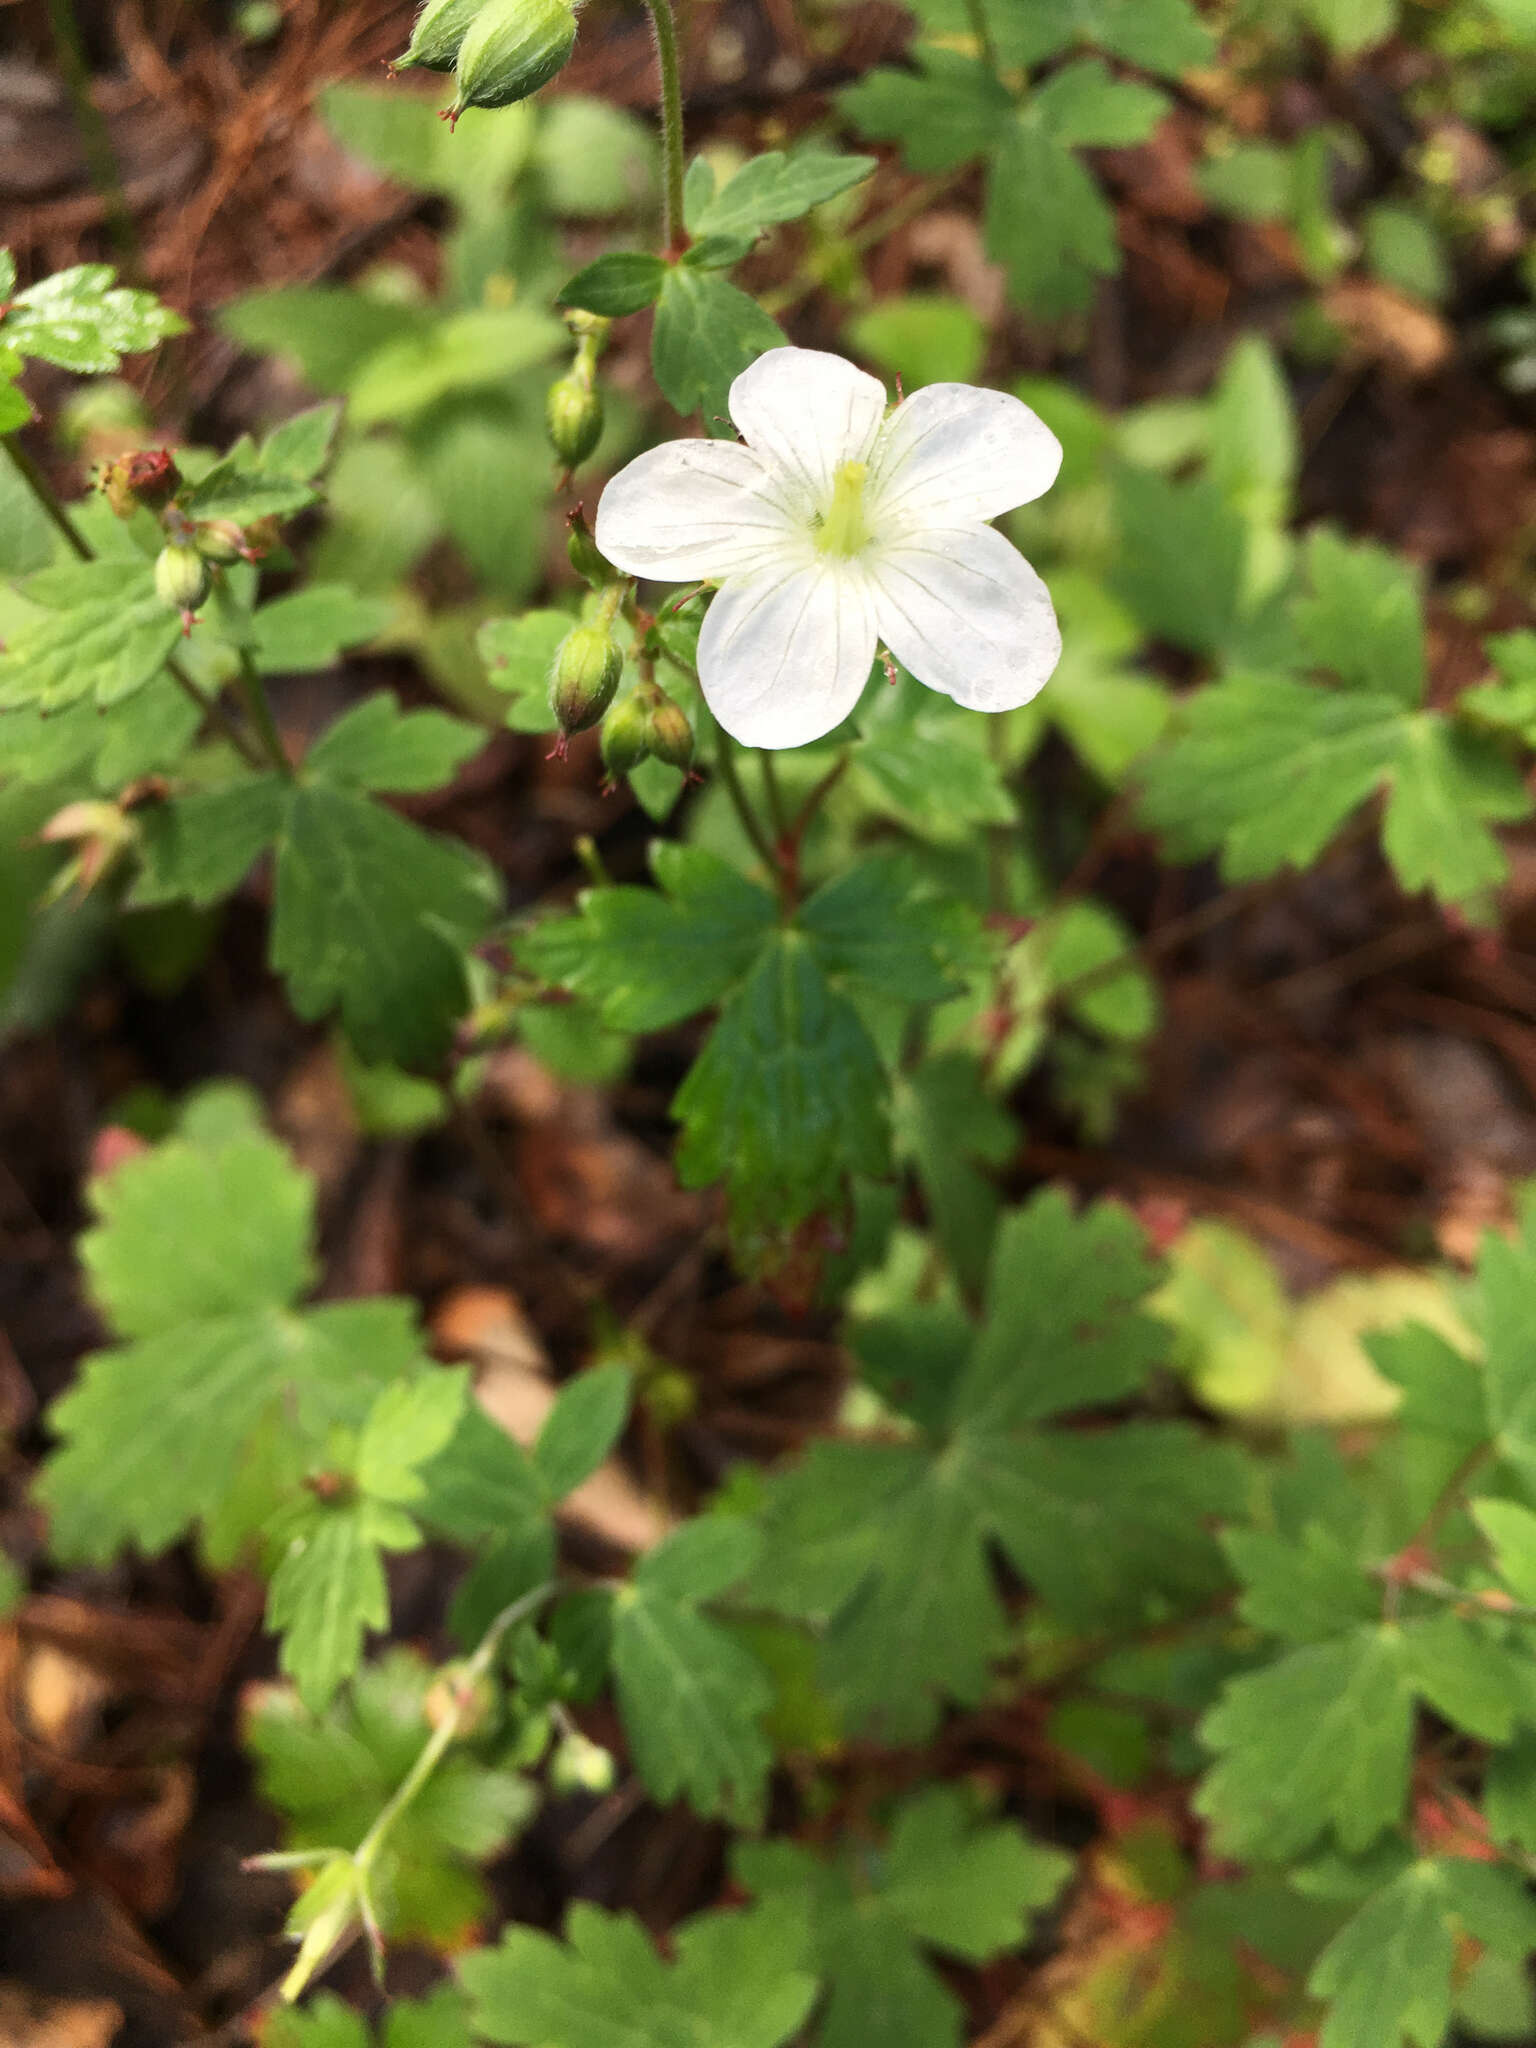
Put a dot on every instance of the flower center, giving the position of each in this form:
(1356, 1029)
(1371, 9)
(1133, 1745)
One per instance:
(844, 530)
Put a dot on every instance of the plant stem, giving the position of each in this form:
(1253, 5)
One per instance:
(94, 139)
(774, 794)
(253, 695)
(48, 504)
(445, 1733)
(751, 824)
(674, 235)
(976, 13)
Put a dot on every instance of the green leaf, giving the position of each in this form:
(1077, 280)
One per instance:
(327, 1592)
(201, 1248)
(1164, 36)
(1179, 558)
(376, 746)
(1267, 770)
(876, 926)
(693, 1701)
(240, 490)
(706, 334)
(736, 1983)
(1389, 1972)
(886, 1548)
(922, 338)
(787, 1098)
(407, 1427)
(482, 347)
(952, 1127)
(1511, 1529)
(773, 188)
(303, 445)
(80, 321)
(310, 628)
(582, 1428)
(1047, 224)
(400, 133)
(199, 848)
(950, 110)
(331, 1777)
(329, 330)
(926, 762)
(649, 957)
(108, 639)
(518, 655)
(374, 919)
(1306, 1591)
(1363, 618)
(624, 281)
(945, 1881)
(1319, 1739)
(1083, 106)
(1448, 785)
(701, 1559)
(1351, 25)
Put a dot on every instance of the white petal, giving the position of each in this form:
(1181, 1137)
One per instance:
(784, 658)
(696, 509)
(962, 609)
(806, 413)
(952, 452)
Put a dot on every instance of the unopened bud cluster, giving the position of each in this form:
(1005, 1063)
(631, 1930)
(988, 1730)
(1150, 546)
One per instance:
(499, 50)
(647, 725)
(147, 479)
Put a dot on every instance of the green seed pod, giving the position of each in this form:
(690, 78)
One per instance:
(626, 737)
(220, 540)
(182, 578)
(671, 736)
(573, 412)
(440, 29)
(581, 1765)
(511, 48)
(587, 668)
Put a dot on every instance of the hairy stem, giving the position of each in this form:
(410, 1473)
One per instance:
(751, 824)
(446, 1732)
(49, 505)
(664, 23)
(253, 695)
(981, 29)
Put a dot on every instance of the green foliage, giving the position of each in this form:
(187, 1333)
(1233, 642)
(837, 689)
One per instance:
(330, 1777)
(943, 1881)
(372, 917)
(737, 1982)
(706, 333)
(80, 319)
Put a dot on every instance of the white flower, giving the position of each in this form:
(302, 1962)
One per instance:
(835, 528)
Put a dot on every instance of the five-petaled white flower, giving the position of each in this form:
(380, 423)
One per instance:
(833, 527)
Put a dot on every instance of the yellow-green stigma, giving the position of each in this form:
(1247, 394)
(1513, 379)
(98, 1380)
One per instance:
(844, 529)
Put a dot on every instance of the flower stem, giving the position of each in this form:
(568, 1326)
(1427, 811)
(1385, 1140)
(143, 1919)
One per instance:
(674, 235)
(78, 545)
(94, 139)
(367, 1852)
(751, 824)
(981, 29)
(253, 695)
(774, 794)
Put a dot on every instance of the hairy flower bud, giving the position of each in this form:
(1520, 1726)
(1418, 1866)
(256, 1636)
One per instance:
(590, 565)
(510, 49)
(671, 736)
(182, 578)
(439, 30)
(146, 477)
(626, 739)
(220, 540)
(581, 1765)
(588, 664)
(573, 412)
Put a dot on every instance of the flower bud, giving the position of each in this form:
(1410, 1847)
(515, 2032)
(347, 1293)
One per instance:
(146, 477)
(671, 736)
(588, 665)
(589, 564)
(220, 540)
(435, 39)
(510, 49)
(459, 1696)
(626, 739)
(573, 412)
(182, 578)
(581, 1765)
